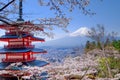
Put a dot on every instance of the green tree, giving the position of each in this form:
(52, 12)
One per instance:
(87, 46)
(116, 45)
(90, 46)
(114, 63)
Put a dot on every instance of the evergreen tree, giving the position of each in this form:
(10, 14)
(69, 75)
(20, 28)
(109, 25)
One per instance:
(87, 46)
(116, 45)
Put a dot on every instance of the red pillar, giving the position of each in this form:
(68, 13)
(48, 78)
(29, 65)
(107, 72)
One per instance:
(23, 42)
(6, 56)
(23, 56)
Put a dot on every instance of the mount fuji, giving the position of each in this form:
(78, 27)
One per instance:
(75, 39)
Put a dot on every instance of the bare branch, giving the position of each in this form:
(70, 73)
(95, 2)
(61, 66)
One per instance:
(67, 5)
(6, 5)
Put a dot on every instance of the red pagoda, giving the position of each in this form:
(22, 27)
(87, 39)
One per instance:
(19, 47)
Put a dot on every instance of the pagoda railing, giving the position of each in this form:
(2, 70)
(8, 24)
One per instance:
(18, 60)
(18, 46)
(14, 33)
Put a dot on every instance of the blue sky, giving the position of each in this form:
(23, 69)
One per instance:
(107, 14)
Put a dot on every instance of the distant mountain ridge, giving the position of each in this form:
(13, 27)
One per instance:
(66, 42)
(74, 39)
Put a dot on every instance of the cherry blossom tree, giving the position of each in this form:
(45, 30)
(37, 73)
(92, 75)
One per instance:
(8, 7)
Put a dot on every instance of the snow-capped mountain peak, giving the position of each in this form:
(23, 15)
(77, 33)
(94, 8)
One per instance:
(83, 31)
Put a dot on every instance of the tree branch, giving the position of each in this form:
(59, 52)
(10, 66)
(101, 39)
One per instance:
(4, 21)
(7, 5)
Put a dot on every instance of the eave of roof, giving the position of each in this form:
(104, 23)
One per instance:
(35, 50)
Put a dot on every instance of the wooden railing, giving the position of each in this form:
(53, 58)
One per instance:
(14, 32)
(18, 46)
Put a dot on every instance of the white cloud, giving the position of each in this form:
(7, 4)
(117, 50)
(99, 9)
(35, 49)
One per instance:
(83, 31)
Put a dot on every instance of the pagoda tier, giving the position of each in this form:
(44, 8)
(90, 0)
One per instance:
(23, 42)
(20, 49)
(22, 57)
(22, 37)
(19, 46)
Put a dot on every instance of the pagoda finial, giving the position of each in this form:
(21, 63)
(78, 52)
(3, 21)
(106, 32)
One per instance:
(20, 11)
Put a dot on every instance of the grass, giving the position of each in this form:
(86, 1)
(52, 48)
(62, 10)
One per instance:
(114, 64)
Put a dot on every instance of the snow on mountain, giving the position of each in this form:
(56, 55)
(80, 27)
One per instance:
(83, 31)
(75, 39)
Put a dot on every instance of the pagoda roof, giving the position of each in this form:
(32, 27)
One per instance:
(38, 63)
(7, 37)
(13, 36)
(35, 50)
(37, 39)
(6, 27)
(15, 26)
